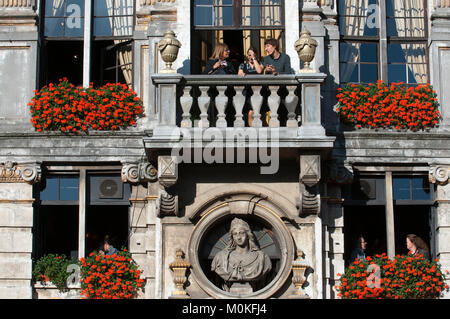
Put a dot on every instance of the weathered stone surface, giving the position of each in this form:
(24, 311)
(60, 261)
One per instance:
(15, 267)
(16, 240)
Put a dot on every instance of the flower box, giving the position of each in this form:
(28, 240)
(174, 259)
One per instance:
(69, 109)
(388, 106)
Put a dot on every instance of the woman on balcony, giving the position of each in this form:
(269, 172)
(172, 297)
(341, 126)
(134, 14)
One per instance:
(251, 64)
(218, 63)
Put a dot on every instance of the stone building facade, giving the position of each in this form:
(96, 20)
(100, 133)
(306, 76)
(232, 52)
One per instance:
(300, 199)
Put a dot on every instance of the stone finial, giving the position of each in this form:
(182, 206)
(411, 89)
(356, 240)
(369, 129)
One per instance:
(11, 172)
(168, 46)
(306, 49)
(179, 267)
(299, 267)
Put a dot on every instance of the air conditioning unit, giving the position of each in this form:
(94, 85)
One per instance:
(110, 188)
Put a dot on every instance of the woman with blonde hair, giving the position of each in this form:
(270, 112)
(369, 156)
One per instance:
(218, 63)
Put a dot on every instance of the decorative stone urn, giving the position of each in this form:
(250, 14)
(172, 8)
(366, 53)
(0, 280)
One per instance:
(299, 267)
(168, 46)
(179, 268)
(306, 49)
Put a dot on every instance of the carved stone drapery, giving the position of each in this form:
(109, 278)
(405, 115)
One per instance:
(138, 172)
(439, 174)
(12, 172)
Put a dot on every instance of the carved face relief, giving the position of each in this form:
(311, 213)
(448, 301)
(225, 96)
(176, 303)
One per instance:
(239, 236)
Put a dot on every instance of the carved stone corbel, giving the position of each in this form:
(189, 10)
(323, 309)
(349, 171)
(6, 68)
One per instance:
(167, 176)
(439, 174)
(180, 268)
(310, 174)
(138, 172)
(12, 172)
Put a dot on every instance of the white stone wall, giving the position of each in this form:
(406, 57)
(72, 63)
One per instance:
(16, 240)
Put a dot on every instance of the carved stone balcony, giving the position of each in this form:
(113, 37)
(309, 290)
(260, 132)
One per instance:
(199, 108)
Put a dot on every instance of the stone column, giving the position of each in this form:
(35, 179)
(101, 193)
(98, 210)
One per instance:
(16, 224)
(154, 19)
(333, 220)
(18, 59)
(330, 119)
(142, 220)
(440, 175)
(440, 58)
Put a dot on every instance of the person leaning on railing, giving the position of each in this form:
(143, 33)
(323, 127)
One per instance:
(218, 63)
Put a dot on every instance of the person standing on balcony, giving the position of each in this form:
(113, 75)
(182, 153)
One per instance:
(276, 62)
(218, 63)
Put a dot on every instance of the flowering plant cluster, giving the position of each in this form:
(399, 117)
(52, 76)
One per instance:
(52, 268)
(110, 277)
(403, 277)
(66, 108)
(380, 105)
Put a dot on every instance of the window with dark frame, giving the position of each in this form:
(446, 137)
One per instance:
(239, 23)
(58, 212)
(364, 25)
(111, 41)
(365, 210)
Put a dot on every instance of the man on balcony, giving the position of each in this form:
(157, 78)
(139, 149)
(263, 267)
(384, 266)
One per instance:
(276, 62)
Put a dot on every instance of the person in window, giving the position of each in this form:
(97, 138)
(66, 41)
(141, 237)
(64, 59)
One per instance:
(417, 246)
(108, 248)
(251, 64)
(218, 63)
(276, 62)
(360, 250)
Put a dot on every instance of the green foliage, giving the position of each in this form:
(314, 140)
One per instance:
(52, 268)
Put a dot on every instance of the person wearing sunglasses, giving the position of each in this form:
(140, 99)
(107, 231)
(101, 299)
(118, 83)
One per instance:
(218, 63)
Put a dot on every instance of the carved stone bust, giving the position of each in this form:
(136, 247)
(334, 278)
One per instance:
(241, 264)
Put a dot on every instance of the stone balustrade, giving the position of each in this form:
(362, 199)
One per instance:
(222, 101)
(438, 4)
(17, 3)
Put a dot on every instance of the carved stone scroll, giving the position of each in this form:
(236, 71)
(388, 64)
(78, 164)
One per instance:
(138, 172)
(439, 175)
(11, 172)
